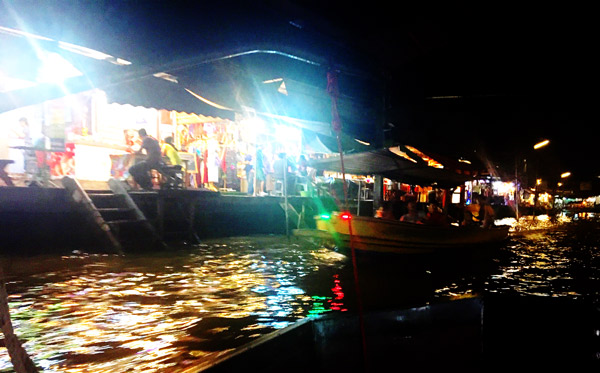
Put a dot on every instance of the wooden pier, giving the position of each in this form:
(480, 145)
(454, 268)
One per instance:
(43, 220)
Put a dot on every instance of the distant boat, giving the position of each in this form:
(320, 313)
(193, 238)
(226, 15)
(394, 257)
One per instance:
(391, 236)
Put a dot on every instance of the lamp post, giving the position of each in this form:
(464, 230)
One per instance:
(538, 182)
(536, 146)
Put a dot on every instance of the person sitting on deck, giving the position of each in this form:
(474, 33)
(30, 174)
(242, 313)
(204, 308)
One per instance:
(141, 170)
(170, 151)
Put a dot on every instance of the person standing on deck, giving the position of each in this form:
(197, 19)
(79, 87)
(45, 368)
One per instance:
(260, 173)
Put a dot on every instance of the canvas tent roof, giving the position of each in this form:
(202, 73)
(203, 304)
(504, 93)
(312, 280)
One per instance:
(387, 163)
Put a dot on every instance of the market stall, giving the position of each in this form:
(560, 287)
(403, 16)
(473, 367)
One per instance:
(98, 141)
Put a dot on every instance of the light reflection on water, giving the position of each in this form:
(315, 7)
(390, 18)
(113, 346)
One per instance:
(558, 264)
(163, 312)
(553, 263)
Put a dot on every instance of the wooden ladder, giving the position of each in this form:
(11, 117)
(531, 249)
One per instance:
(115, 216)
(295, 217)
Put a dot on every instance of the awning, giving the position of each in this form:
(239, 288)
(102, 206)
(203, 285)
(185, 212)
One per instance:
(282, 88)
(276, 85)
(159, 93)
(390, 165)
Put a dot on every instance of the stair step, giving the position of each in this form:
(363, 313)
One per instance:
(125, 222)
(114, 209)
(108, 200)
(117, 213)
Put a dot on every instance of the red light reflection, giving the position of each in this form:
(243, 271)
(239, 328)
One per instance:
(337, 290)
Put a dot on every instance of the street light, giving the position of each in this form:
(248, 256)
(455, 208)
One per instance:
(537, 146)
(541, 144)
(564, 175)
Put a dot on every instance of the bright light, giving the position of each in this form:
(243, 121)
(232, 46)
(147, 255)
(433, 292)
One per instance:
(502, 188)
(167, 77)
(396, 150)
(325, 216)
(287, 133)
(207, 101)
(362, 142)
(538, 182)
(462, 160)
(346, 216)
(97, 55)
(565, 175)
(430, 161)
(541, 144)
(55, 69)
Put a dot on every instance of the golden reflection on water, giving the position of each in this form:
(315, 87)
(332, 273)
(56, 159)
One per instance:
(163, 312)
(549, 264)
(546, 263)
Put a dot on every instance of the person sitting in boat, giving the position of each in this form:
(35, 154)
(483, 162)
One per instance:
(487, 211)
(385, 211)
(413, 215)
(472, 211)
(435, 216)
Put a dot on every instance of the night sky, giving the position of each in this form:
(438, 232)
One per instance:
(465, 79)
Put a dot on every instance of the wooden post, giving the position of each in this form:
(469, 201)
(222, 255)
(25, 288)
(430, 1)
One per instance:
(160, 213)
(18, 355)
(192, 221)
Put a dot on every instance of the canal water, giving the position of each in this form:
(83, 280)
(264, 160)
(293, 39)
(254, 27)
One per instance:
(166, 311)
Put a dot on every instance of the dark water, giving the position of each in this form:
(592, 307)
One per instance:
(164, 312)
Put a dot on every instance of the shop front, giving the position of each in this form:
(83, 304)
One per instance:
(85, 137)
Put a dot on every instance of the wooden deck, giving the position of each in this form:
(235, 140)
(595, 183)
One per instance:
(39, 220)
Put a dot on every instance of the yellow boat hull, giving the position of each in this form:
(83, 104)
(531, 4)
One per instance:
(390, 236)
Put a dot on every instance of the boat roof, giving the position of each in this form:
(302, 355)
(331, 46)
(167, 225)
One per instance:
(400, 163)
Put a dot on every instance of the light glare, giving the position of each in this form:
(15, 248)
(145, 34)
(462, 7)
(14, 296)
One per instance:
(541, 144)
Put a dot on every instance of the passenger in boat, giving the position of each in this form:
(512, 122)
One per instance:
(435, 216)
(385, 211)
(471, 214)
(471, 211)
(413, 215)
(486, 212)
(141, 170)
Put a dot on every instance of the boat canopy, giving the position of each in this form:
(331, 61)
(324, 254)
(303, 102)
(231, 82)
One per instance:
(401, 164)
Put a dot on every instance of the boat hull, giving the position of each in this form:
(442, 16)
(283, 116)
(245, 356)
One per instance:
(390, 236)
